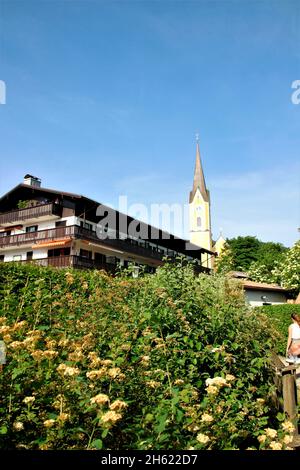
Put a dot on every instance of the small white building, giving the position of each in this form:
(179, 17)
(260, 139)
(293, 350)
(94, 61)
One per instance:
(260, 293)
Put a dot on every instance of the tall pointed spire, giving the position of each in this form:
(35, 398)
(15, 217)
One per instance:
(199, 180)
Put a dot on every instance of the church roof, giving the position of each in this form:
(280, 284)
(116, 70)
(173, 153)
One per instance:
(199, 180)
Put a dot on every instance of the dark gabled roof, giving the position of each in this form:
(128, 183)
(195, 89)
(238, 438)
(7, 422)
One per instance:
(38, 188)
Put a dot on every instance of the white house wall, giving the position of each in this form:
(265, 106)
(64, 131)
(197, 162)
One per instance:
(47, 224)
(37, 254)
(254, 297)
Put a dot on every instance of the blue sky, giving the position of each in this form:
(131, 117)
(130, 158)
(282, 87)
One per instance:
(104, 99)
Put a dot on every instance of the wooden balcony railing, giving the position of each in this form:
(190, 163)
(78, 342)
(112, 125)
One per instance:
(75, 232)
(80, 262)
(128, 245)
(70, 261)
(39, 235)
(20, 215)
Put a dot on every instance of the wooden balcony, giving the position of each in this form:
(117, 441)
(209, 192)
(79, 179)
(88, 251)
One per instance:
(31, 214)
(125, 247)
(70, 261)
(31, 238)
(76, 232)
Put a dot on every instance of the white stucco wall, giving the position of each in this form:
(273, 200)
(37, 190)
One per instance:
(40, 253)
(46, 224)
(253, 297)
(11, 255)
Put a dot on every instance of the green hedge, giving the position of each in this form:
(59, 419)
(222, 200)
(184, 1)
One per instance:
(280, 316)
(164, 361)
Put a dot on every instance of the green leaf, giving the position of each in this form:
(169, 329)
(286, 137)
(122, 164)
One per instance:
(162, 424)
(43, 328)
(280, 416)
(16, 373)
(3, 429)
(175, 400)
(97, 444)
(148, 417)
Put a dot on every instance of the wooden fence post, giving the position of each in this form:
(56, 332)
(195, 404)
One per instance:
(285, 381)
(289, 392)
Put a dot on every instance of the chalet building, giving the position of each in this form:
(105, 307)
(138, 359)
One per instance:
(55, 228)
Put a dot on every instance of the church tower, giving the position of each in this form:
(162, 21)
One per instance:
(199, 208)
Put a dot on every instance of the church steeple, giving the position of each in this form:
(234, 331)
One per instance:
(199, 180)
(199, 209)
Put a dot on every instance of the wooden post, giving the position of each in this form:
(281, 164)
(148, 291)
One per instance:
(289, 396)
(287, 388)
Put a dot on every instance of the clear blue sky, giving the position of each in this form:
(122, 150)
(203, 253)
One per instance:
(104, 98)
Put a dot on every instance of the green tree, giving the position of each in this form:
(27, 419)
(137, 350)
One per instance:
(252, 254)
(270, 253)
(270, 256)
(261, 273)
(288, 270)
(225, 262)
(245, 250)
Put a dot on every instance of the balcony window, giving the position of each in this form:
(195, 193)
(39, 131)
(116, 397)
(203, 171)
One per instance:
(61, 223)
(58, 252)
(85, 254)
(99, 257)
(32, 228)
(5, 234)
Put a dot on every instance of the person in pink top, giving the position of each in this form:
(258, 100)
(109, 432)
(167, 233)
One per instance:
(293, 342)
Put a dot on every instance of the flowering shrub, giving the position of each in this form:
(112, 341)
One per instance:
(164, 361)
(285, 272)
(288, 270)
